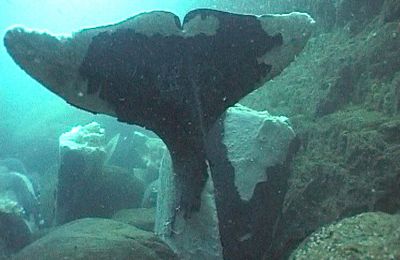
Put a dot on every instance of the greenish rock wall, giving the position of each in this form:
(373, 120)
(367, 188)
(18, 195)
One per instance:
(373, 235)
(342, 95)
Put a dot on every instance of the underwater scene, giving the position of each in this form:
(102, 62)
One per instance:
(199, 129)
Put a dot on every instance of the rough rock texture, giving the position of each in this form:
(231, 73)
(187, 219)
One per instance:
(342, 95)
(346, 165)
(96, 239)
(255, 142)
(373, 235)
(345, 70)
(142, 218)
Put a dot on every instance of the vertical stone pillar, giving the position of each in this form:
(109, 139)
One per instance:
(82, 155)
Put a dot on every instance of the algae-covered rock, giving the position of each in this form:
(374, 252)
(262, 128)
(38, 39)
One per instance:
(372, 235)
(142, 218)
(96, 239)
(348, 164)
(342, 95)
(391, 10)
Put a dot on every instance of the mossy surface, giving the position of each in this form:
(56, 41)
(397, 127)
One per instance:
(373, 235)
(342, 95)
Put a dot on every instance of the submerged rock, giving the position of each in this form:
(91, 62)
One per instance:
(372, 235)
(19, 210)
(142, 218)
(342, 95)
(96, 239)
(15, 233)
(87, 187)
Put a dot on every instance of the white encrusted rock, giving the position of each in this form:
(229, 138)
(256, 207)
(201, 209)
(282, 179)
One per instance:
(90, 140)
(255, 141)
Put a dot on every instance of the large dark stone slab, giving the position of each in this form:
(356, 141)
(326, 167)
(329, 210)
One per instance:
(97, 239)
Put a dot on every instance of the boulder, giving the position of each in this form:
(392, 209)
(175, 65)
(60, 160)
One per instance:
(19, 210)
(16, 189)
(371, 235)
(15, 233)
(348, 164)
(96, 239)
(342, 96)
(142, 218)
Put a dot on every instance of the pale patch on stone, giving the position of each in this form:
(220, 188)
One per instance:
(295, 29)
(255, 141)
(293, 25)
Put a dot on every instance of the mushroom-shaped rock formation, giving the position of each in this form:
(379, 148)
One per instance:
(175, 78)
